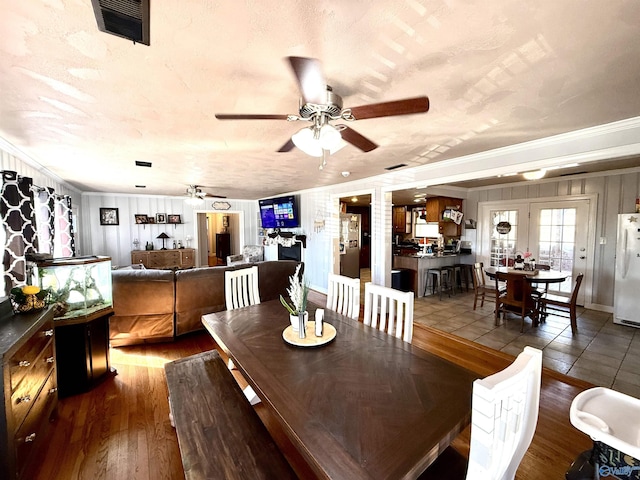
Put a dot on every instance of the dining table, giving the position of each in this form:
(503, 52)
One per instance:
(363, 405)
(534, 277)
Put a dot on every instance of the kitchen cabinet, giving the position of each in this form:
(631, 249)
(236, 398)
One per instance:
(436, 206)
(178, 258)
(30, 394)
(401, 220)
(82, 344)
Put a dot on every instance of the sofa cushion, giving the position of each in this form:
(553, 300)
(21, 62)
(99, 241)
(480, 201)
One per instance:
(143, 305)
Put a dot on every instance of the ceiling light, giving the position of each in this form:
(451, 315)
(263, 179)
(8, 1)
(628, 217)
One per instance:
(354, 199)
(346, 174)
(534, 175)
(194, 201)
(313, 140)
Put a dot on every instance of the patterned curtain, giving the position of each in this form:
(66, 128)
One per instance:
(64, 242)
(45, 217)
(16, 209)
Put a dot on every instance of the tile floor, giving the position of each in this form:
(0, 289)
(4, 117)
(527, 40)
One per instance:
(602, 352)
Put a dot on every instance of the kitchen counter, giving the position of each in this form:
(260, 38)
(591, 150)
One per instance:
(421, 263)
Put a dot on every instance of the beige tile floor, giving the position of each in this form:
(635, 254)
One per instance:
(602, 352)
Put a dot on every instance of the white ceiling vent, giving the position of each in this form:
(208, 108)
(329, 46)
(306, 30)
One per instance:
(125, 18)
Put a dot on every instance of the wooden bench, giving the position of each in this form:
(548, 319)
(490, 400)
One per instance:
(219, 434)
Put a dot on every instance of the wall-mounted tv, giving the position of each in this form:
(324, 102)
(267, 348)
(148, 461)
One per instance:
(281, 212)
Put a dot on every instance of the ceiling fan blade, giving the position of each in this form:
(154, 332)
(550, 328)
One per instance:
(358, 140)
(211, 195)
(311, 82)
(389, 109)
(287, 147)
(249, 116)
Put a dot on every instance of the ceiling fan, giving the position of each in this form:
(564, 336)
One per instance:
(320, 105)
(194, 195)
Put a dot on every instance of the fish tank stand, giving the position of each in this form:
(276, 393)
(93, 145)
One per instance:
(82, 352)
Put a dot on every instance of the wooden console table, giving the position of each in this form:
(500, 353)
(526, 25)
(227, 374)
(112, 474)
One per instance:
(165, 259)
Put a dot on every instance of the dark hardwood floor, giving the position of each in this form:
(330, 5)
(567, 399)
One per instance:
(121, 430)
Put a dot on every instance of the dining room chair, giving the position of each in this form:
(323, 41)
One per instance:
(343, 295)
(516, 298)
(241, 288)
(504, 415)
(389, 310)
(480, 286)
(549, 300)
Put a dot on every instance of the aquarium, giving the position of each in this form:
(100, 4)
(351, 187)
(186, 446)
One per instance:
(79, 286)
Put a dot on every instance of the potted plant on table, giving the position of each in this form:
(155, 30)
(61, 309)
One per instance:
(297, 307)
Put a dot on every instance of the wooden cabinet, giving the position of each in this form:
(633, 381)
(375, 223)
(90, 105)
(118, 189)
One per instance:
(30, 393)
(82, 344)
(164, 259)
(401, 220)
(435, 208)
(223, 247)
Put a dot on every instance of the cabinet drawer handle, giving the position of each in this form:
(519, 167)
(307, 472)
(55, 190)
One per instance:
(48, 333)
(24, 363)
(53, 390)
(49, 360)
(30, 438)
(25, 399)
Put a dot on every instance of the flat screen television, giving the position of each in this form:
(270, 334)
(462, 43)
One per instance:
(280, 212)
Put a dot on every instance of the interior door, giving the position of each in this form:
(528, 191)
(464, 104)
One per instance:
(559, 237)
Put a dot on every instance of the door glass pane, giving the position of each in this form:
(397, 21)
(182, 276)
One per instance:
(503, 245)
(556, 242)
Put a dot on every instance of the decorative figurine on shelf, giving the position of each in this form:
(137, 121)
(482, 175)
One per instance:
(136, 244)
(148, 246)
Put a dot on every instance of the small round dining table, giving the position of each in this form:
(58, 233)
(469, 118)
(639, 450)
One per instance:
(544, 277)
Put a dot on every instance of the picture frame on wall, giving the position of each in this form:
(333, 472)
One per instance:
(141, 219)
(173, 219)
(161, 218)
(109, 216)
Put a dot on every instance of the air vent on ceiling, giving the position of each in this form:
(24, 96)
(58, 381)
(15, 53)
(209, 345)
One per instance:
(140, 163)
(393, 167)
(125, 18)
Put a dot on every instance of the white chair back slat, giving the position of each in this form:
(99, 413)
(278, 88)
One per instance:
(389, 310)
(504, 417)
(343, 295)
(241, 288)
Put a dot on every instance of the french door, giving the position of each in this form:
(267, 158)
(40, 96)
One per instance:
(554, 233)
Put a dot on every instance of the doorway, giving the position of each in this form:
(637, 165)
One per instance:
(219, 235)
(355, 236)
(555, 232)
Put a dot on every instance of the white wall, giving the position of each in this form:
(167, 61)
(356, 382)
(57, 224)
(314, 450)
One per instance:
(117, 241)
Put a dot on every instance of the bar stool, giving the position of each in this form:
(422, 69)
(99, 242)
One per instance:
(463, 272)
(440, 279)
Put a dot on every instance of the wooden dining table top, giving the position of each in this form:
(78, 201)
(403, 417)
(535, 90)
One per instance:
(365, 405)
(535, 276)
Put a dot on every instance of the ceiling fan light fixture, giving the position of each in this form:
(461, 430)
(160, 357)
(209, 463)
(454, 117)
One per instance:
(535, 174)
(329, 137)
(194, 201)
(305, 141)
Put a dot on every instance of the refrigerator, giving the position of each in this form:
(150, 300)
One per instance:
(350, 224)
(626, 301)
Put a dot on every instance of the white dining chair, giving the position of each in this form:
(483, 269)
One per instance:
(343, 295)
(504, 415)
(389, 310)
(241, 288)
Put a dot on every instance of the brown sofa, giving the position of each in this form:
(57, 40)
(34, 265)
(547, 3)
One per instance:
(158, 305)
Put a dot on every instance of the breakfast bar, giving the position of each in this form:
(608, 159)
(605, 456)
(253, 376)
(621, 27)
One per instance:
(419, 264)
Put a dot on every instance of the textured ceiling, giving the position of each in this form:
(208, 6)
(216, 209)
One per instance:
(86, 105)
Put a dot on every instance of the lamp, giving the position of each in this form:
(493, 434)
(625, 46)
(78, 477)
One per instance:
(535, 174)
(163, 236)
(194, 201)
(312, 140)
